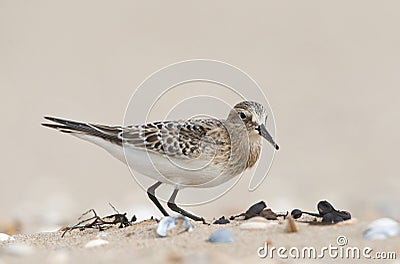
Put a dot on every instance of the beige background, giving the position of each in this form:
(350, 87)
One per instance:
(330, 71)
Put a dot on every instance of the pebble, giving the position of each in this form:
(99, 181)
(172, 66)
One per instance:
(255, 209)
(255, 223)
(222, 235)
(96, 243)
(381, 229)
(268, 214)
(6, 237)
(221, 221)
(296, 213)
(173, 225)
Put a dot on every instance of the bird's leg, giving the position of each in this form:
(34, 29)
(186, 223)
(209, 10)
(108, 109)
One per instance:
(151, 193)
(172, 205)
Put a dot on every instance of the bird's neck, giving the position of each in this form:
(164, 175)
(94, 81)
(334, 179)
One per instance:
(254, 151)
(245, 145)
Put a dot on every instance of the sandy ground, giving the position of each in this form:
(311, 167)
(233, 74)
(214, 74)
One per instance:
(139, 243)
(330, 71)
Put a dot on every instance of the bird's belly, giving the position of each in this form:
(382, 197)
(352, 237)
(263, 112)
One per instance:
(178, 172)
(192, 173)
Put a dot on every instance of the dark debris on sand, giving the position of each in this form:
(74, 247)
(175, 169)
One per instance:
(100, 223)
(221, 221)
(259, 209)
(326, 215)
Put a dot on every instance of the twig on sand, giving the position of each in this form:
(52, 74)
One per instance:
(100, 223)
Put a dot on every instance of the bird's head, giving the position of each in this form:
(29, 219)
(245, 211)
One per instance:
(254, 117)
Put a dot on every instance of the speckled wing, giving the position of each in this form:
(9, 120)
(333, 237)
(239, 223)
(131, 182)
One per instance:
(182, 139)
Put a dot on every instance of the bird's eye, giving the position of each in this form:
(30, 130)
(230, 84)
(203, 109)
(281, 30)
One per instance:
(242, 115)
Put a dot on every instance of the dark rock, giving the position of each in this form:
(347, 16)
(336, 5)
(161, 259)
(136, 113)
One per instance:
(255, 210)
(268, 214)
(296, 213)
(221, 221)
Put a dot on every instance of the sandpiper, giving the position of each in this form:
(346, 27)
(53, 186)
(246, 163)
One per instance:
(197, 153)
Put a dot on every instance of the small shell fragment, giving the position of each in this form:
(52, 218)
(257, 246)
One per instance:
(257, 222)
(174, 225)
(381, 229)
(222, 235)
(291, 225)
(96, 243)
(6, 237)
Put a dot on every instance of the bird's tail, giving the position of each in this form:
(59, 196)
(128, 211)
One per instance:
(110, 133)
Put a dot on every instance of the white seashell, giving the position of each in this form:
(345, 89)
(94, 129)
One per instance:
(96, 243)
(6, 237)
(255, 223)
(18, 249)
(381, 229)
(170, 226)
(222, 235)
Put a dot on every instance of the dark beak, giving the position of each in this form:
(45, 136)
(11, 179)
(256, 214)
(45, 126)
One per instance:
(262, 130)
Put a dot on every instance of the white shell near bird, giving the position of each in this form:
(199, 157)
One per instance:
(96, 243)
(6, 237)
(174, 225)
(257, 222)
(382, 228)
(222, 235)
